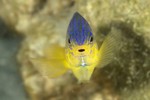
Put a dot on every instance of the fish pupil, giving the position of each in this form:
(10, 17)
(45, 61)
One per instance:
(69, 41)
(91, 39)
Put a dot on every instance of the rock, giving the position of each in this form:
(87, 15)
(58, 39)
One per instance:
(45, 22)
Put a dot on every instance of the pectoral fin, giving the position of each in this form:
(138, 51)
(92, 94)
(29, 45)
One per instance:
(110, 47)
(50, 67)
(53, 63)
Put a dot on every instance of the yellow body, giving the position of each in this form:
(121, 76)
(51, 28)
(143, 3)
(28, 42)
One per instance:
(82, 64)
(89, 56)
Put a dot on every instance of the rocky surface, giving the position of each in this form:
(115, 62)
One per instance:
(43, 22)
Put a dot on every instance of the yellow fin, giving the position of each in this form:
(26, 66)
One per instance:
(53, 63)
(109, 47)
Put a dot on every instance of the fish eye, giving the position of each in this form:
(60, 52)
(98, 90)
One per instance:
(69, 41)
(91, 39)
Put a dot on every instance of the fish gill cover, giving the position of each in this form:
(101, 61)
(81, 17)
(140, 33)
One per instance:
(79, 30)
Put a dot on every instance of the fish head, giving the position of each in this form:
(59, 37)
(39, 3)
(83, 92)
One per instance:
(81, 47)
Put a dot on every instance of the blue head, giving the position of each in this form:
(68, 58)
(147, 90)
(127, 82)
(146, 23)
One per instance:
(79, 30)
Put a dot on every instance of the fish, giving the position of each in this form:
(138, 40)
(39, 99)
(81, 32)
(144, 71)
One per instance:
(81, 53)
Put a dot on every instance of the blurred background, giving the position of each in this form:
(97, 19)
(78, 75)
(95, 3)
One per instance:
(27, 26)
